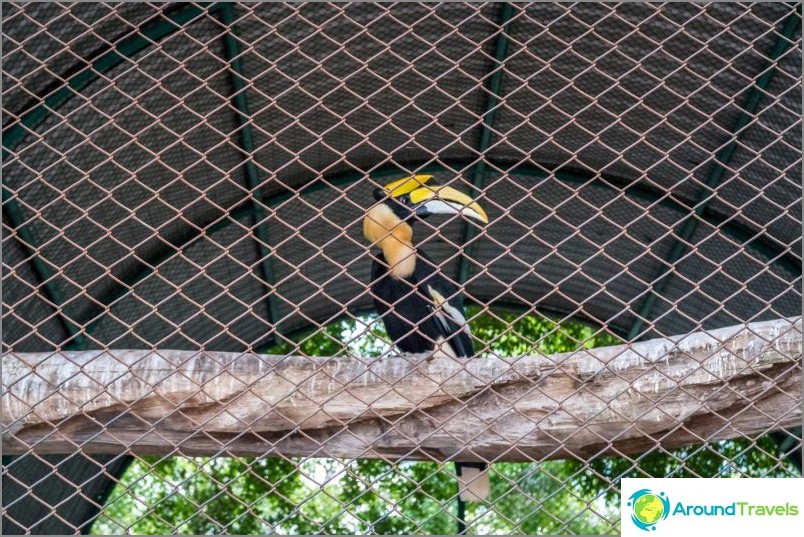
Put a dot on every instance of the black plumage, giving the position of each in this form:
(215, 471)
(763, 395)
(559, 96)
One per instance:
(409, 312)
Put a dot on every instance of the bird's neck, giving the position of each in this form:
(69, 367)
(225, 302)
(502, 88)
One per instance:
(394, 237)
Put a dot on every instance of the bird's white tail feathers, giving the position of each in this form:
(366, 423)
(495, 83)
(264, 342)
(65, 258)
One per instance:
(473, 484)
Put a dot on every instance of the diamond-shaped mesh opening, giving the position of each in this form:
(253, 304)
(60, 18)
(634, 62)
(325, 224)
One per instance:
(199, 332)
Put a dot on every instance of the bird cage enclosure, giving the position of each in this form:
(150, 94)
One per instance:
(192, 342)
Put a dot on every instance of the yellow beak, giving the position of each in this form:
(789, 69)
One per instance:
(446, 200)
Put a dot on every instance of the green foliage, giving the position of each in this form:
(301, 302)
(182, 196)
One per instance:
(517, 334)
(250, 495)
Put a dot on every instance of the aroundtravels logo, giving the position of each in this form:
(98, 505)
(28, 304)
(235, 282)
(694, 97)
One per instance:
(709, 506)
(648, 508)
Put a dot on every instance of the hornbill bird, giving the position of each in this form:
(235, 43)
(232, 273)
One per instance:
(421, 310)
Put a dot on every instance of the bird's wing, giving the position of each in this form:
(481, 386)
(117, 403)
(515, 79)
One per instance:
(451, 323)
(445, 308)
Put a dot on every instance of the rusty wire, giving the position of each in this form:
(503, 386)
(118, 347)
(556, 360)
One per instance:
(192, 177)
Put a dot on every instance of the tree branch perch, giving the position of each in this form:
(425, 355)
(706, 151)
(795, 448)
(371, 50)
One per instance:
(732, 382)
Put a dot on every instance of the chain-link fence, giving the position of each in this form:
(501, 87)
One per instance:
(216, 319)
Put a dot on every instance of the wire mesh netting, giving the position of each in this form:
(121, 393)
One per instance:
(601, 243)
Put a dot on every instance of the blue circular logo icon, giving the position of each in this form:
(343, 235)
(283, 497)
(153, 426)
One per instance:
(648, 508)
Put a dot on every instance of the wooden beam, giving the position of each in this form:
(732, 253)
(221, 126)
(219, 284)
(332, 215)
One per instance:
(732, 382)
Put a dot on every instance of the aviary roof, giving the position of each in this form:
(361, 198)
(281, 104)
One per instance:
(609, 125)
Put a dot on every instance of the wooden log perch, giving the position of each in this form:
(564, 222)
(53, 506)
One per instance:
(727, 383)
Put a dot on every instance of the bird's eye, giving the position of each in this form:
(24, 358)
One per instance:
(402, 201)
